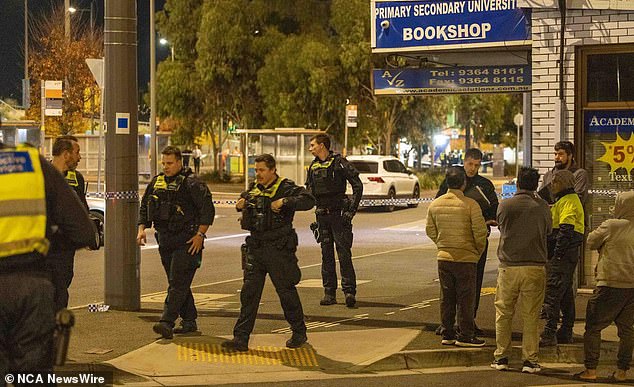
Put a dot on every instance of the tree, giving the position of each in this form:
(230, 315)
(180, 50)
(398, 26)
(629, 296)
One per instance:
(54, 58)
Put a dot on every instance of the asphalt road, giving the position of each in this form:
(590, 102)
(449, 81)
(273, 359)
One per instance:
(394, 261)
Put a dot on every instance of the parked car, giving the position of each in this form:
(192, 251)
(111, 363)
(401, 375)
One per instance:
(385, 177)
(96, 207)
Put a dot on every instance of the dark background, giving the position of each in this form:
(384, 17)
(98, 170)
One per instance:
(12, 39)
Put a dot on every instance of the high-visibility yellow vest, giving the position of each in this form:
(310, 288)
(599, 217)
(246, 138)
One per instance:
(268, 192)
(71, 178)
(22, 202)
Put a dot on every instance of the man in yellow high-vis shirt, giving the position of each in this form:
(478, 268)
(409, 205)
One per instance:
(35, 203)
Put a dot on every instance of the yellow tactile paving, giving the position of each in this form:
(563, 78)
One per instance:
(261, 355)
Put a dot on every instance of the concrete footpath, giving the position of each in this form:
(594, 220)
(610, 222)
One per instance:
(122, 343)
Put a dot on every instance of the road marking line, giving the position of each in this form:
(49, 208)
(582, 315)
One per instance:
(420, 246)
(151, 247)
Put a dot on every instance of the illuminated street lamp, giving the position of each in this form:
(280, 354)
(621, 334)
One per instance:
(165, 42)
(73, 10)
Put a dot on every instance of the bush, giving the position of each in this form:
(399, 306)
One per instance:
(431, 178)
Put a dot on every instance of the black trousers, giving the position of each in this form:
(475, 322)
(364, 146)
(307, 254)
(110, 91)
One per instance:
(61, 266)
(27, 323)
(480, 277)
(280, 263)
(559, 292)
(336, 232)
(180, 267)
(457, 292)
(609, 305)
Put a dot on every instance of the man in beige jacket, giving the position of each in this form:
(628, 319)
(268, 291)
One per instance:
(456, 225)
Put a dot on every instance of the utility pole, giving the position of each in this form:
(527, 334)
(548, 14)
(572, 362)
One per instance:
(153, 153)
(122, 263)
(67, 20)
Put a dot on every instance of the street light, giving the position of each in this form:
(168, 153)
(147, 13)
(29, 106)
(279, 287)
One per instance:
(165, 42)
(73, 10)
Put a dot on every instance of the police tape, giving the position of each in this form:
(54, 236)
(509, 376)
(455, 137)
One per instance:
(364, 202)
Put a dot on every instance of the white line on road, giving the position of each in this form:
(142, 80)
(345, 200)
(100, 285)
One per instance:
(241, 278)
(206, 240)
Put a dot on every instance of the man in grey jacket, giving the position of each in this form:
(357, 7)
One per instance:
(613, 300)
(524, 222)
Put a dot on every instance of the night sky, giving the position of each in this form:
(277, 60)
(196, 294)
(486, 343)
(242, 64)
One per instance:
(12, 39)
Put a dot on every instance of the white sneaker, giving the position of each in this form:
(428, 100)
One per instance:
(531, 368)
(500, 364)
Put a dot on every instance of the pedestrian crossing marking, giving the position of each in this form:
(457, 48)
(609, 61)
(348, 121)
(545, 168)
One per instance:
(203, 301)
(260, 355)
(323, 324)
(318, 284)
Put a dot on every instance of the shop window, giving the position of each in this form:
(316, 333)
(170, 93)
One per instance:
(610, 77)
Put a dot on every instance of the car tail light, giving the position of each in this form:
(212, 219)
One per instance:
(376, 179)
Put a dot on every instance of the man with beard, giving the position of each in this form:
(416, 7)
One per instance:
(565, 160)
(61, 257)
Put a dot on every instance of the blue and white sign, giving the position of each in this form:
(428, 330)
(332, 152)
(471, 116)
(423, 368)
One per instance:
(123, 123)
(452, 80)
(441, 24)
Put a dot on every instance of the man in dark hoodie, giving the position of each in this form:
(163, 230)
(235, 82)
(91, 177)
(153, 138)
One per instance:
(613, 301)
(181, 209)
(563, 253)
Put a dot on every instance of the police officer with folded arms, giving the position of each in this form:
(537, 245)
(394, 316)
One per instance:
(181, 209)
(327, 177)
(35, 204)
(268, 208)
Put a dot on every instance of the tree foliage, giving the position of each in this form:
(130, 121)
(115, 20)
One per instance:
(275, 63)
(53, 57)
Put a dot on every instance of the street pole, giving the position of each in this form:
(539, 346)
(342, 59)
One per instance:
(153, 153)
(122, 263)
(25, 83)
(67, 20)
(345, 140)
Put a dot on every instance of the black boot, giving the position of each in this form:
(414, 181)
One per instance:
(296, 340)
(164, 329)
(186, 326)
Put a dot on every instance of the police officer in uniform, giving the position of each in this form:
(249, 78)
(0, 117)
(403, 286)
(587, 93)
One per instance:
(268, 208)
(327, 177)
(181, 209)
(35, 203)
(61, 257)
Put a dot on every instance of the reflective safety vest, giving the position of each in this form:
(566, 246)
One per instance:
(268, 192)
(22, 202)
(71, 178)
(324, 180)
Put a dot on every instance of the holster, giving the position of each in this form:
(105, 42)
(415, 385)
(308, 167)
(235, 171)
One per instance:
(64, 321)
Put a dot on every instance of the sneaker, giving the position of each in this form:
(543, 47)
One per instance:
(186, 327)
(530, 368)
(328, 300)
(477, 331)
(297, 340)
(350, 300)
(473, 342)
(548, 341)
(235, 345)
(500, 364)
(163, 329)
(448, 341)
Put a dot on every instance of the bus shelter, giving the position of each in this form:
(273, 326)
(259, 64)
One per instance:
(289, 146)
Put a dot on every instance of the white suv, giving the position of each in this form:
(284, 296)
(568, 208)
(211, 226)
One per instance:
(385, 177)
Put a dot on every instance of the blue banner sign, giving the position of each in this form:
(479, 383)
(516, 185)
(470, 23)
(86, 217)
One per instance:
(453, 80)
(442, 24)
(609, 122)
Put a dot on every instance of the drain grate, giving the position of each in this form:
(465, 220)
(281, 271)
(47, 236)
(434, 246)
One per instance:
(260, 355)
